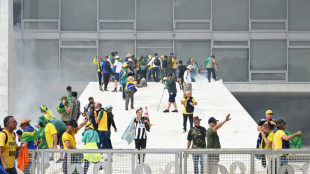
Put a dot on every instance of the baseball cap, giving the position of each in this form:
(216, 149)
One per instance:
(212, 120)
(140, 108)
(280, 122)
(269, 112)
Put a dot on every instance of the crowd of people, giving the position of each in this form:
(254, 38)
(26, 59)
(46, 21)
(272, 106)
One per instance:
(52, 133)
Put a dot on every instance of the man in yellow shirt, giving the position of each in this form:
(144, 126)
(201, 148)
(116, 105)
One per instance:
(174, 66)
(69, 142)
(266, 143)
(281, 140)
(8, 145)
(188, 103)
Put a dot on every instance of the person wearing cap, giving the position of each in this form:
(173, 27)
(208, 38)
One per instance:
(91, 101)
(118, 64)
(197, 135)
(172, 91)
(182, 69)
(281, 140)
(90, 137)
(76, 105)
(48, 114)
(99, 71)
(110, 122)
(123, 77)
(69, 142)
(195, 67)
(131, 67)
(174, 62)
(140, 132)
(29, 136)
(8, 146)
(157, 65)
(69, 91)
(188, 103)
(143, 67)
(65, 109)
(213, 140)
(164, 60)
(209, 64)
(187, 80)
(130, 91)
(267, 120)
(101, 118)
(106, 71)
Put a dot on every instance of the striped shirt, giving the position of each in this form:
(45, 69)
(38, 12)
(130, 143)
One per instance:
(140, 131)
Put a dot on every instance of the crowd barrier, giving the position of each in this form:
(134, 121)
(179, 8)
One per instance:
(168, 161)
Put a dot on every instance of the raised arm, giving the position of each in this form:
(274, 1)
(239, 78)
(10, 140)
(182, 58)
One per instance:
(220, 124)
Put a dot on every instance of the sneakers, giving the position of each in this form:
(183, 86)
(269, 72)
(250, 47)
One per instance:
(59, 160)
(174, 111)
(106, 90)
(115, 90)
(183, 131)
(132, 107)
(166, 111)
(100, 88)
(126, 109)
(120, 89)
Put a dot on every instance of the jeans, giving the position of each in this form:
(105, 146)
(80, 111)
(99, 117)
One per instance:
(155, 71)
(196, 158)
(211, 70)
(104, 140)
(163, 73)
(185, 116)
(106, 80)
(174, 72)
(99, 78)
(149, 75)
(124, 85)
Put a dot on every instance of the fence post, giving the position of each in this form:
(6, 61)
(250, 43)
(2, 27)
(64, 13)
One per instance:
(133, 162)
(180, 162)
(42, 162)
(185, 162)
(252, 163)
(109, 162)
(176, 167)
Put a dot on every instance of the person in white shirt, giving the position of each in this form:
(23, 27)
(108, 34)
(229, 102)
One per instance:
(118, 69)
(157, 65)
(187, 80)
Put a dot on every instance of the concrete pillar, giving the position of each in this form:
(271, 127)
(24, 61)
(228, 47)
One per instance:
(4, 55)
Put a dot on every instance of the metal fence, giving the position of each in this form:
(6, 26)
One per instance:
(168, 161)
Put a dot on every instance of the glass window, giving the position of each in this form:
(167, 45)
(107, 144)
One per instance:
(268, 76)
(199, 50)
(116, 9)
(193, 9)
(41, 9)
(154, 15)
(116, 25)
(268, 55)
(77, 64)
(230, 15)
(79, 15)
(233, 64)
(151, 51)
(41, 54)
(298, 65)
(192, 26)
(17, 13)
(41, 25)
(154, 43)
(268, 25)
(298, 15)
(123, 47)
(299, 43)
(230, 43)
(78, 43)
(266, 9)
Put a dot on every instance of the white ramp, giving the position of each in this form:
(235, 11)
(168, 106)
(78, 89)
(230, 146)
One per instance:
(213, 100)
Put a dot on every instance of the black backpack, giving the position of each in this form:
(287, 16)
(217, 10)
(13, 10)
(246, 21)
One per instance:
(157, 61)
(189, 105)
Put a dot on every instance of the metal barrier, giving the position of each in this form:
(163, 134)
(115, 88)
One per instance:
(167, 161)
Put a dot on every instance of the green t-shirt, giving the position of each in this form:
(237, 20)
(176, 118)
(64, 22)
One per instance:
(198, 135)
(213, 140)
(112, 58)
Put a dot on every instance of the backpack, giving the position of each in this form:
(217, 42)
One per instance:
(6, 137)
(75, 114)
(157, 61)
(189, 105)
(107, 67)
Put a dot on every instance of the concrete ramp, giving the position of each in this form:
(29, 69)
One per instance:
(213, 100)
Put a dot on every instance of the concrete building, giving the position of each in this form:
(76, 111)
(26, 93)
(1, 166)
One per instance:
(262, 46)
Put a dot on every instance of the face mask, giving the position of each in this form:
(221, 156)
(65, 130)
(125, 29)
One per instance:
(96, 109)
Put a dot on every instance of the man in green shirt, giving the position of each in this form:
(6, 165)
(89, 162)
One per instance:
(172, 90)
(198, 135)
(213, 140)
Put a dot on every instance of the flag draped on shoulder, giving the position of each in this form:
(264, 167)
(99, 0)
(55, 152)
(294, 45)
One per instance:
(128, 135)
(296, 142)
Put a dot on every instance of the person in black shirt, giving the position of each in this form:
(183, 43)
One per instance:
(182, 69)
(110, 122)
(267, 120)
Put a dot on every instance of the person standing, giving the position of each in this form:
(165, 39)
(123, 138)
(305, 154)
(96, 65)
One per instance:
(281, 141)
(8, 145)
(157, 64)
(187, 84)
(140, 133)
(110, 122)
(65, 109)
(266, 142)
(106, 71)
(123, 78)
(143, 67)
(69, 142)
(213, 140)
(99, 71)
(209, 64)
(76, 105)
(91, 101)
(188, 103)
(267, 120)
(102, 121)
(182, 69)
(69, 91)
(118, 67)
(174, 66)
(197, 135)
(164, 68)
(172, 90)
(130, 91)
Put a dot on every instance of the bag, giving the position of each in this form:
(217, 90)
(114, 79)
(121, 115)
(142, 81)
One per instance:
(107, 67)
(75, 113)
(157, 61)
(189, 105)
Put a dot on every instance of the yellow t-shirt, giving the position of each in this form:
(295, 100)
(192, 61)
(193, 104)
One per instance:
(278, 139)
(269, 138)
(174, 63)
(184, 105)
(69, 137)
(103, 123)
(50, 130)
(9, 149)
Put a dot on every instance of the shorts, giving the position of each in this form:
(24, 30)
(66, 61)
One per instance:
(59, 138)
(185, 88)
(172, 97)
(117, 76)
